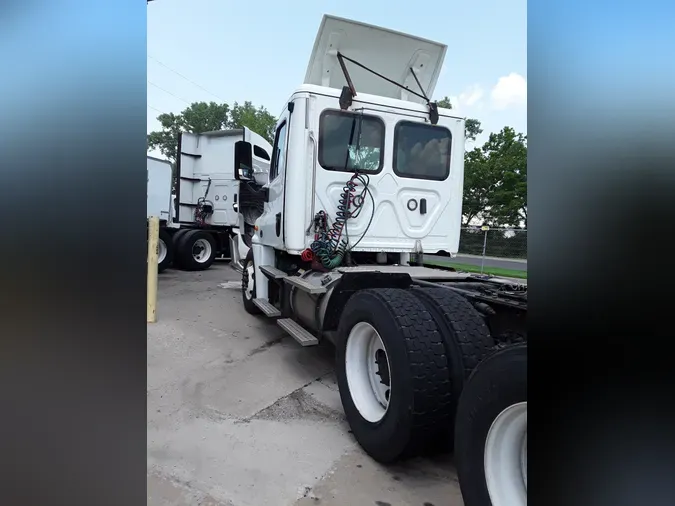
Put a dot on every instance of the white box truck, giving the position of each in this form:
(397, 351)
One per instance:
(198, 221)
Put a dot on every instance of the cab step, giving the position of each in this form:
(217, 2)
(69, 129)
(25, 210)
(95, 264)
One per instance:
(297, 332)
(267, 308)
(272, 272)
(303, 285)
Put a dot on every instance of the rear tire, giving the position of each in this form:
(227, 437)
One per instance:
(196, 250)
(418, 405)
(177, 235)
(248, 292)
(490, 417)
(465, 335)
(165, 258)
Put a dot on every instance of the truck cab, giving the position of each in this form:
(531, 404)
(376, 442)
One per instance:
(410, 170)
(413, 169)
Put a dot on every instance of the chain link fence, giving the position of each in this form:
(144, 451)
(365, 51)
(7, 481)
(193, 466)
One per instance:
(497, 242)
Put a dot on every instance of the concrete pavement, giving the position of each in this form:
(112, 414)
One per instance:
(239, 414)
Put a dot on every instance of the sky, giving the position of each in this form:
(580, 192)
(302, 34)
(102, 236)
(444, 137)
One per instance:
(204, 50)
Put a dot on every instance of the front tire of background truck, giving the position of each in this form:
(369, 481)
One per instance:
(248, 285)
(491, 431)
(386, 337)
(465, 335)
(165, 257)
(196, 250)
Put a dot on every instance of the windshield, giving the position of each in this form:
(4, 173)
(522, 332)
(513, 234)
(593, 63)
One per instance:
(421, 151)
(350, 142)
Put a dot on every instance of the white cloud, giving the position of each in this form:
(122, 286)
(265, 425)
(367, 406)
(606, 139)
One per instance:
(509, 91)
(471, 97)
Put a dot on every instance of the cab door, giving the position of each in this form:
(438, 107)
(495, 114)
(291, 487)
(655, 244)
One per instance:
(271, 223)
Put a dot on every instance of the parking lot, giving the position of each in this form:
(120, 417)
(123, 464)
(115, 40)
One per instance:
(239, 414)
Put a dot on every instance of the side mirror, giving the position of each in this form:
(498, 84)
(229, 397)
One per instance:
(346, 98)
(243, 160)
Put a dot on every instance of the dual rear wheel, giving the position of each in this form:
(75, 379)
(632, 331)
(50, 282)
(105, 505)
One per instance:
(402, 357)
(190, 250)
(195, 250)
(417, 370)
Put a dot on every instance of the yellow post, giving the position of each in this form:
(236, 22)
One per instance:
(153, 245)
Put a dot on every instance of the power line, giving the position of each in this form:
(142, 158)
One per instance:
(167, 91)
(186, 78)
(155, 109)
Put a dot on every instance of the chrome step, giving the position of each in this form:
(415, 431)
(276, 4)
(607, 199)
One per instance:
(273, 272)
(267, 308)
(304, 285)
(297, 332)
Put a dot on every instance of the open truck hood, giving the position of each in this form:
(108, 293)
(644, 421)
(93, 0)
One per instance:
(387, 52)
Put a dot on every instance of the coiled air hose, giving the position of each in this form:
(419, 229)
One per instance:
(330, 247)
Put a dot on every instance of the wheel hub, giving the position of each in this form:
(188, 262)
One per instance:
(382, 366)
(368, 372)
(201, 250)
(505, 457)
(161, 251)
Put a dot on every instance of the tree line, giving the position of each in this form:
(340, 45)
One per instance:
(495, 174)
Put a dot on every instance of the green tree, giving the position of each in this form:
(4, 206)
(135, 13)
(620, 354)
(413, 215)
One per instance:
(495, 180)
(257, 119)
(198, 117)
(479, 185)
(506, 159)
(472, 127)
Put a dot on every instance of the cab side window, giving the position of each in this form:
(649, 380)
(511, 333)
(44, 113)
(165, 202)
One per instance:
(351, 142)
(279, 154)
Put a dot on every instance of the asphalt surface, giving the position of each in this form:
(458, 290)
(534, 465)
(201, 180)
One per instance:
(239, 414)
(502, 263)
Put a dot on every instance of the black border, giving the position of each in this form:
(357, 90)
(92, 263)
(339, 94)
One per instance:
(338, 112)
(429, 127)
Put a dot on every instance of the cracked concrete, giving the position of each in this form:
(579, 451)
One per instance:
(241, 415)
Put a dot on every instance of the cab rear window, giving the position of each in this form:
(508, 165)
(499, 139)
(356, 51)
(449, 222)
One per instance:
(351, 142)
(422, 151)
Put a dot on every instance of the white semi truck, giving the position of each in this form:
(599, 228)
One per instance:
(366, 176)
(196, 222)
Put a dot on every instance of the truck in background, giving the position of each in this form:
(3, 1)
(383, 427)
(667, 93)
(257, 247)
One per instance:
(199, 221)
